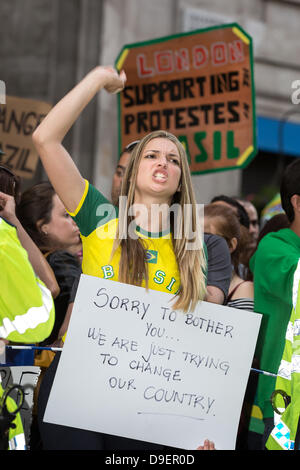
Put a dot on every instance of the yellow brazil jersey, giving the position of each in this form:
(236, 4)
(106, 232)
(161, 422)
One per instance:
(97, 220)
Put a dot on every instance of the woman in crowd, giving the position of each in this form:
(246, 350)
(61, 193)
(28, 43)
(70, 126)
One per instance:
(222, 221)
(26, 305)
(10, 189)
(45, 219)
(9, 197)
(157, 174)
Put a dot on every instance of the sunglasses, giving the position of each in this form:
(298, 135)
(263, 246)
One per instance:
(131, 146)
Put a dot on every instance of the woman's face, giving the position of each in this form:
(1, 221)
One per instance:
(211, 226)
(61, 229)
(159, 171)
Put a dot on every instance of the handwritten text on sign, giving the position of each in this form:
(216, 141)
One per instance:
(132, 366)
(198, 86)
(19, 117)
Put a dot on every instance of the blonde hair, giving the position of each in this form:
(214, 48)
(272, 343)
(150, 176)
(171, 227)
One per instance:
(191, 263)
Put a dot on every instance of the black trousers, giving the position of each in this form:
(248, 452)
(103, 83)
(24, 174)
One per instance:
(57, 437)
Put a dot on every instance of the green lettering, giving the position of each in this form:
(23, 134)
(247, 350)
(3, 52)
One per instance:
(232, 151)
(217, 138)
(198, 137)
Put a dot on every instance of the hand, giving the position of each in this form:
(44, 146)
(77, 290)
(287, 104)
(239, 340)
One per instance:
(58, 343)
(114, 82)
(208, 445)
(7, 207)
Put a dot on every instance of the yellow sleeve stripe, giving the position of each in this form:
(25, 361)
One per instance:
(256, 412)
(72, 214)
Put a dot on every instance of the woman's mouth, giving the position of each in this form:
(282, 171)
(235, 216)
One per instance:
(160, 175)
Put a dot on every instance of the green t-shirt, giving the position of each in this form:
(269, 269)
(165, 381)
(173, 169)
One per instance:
(275, 269)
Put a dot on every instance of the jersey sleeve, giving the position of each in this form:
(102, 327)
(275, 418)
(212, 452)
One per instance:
(93, 210)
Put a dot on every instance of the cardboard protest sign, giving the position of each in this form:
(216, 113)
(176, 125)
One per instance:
(19, 117)
(133, 367)
(198, 86)
(2, 92)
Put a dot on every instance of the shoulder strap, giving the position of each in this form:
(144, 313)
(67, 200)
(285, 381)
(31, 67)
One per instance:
(234, 290)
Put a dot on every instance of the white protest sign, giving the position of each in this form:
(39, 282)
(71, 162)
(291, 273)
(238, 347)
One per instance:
(133, 367)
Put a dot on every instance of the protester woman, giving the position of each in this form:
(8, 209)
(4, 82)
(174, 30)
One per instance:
(9, 197)
(222, 221)
(26, 304)
(45, 219)
(157, 175)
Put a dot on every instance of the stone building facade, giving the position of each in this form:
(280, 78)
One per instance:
(47, 46)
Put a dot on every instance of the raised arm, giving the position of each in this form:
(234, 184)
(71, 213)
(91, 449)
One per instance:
(59, 166)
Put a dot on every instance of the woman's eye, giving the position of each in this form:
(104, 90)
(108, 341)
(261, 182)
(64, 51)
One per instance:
(150, 155)
(174, 160)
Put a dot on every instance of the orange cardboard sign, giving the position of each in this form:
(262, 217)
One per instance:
(198, 86)
(19, 117)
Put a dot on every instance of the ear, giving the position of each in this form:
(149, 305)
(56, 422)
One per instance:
(295, 201)
(42, 227)
(233, 244)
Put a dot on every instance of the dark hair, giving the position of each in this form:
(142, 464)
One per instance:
(276, 223)
(241, 211)
(35, 206)
(9, 182)
(130, 147)
(290, 185)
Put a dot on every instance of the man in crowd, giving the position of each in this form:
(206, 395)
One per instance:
(253, 221)
(120, 172)
(275, 266)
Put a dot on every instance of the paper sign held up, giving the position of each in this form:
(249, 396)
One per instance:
(134, 367)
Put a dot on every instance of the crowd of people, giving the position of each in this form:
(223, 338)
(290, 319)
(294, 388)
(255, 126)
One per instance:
(52, 232)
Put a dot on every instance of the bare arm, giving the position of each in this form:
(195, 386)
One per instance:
(59, 166)
(244, 291)
(64, 327)
(40, 266)
(215, 295)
